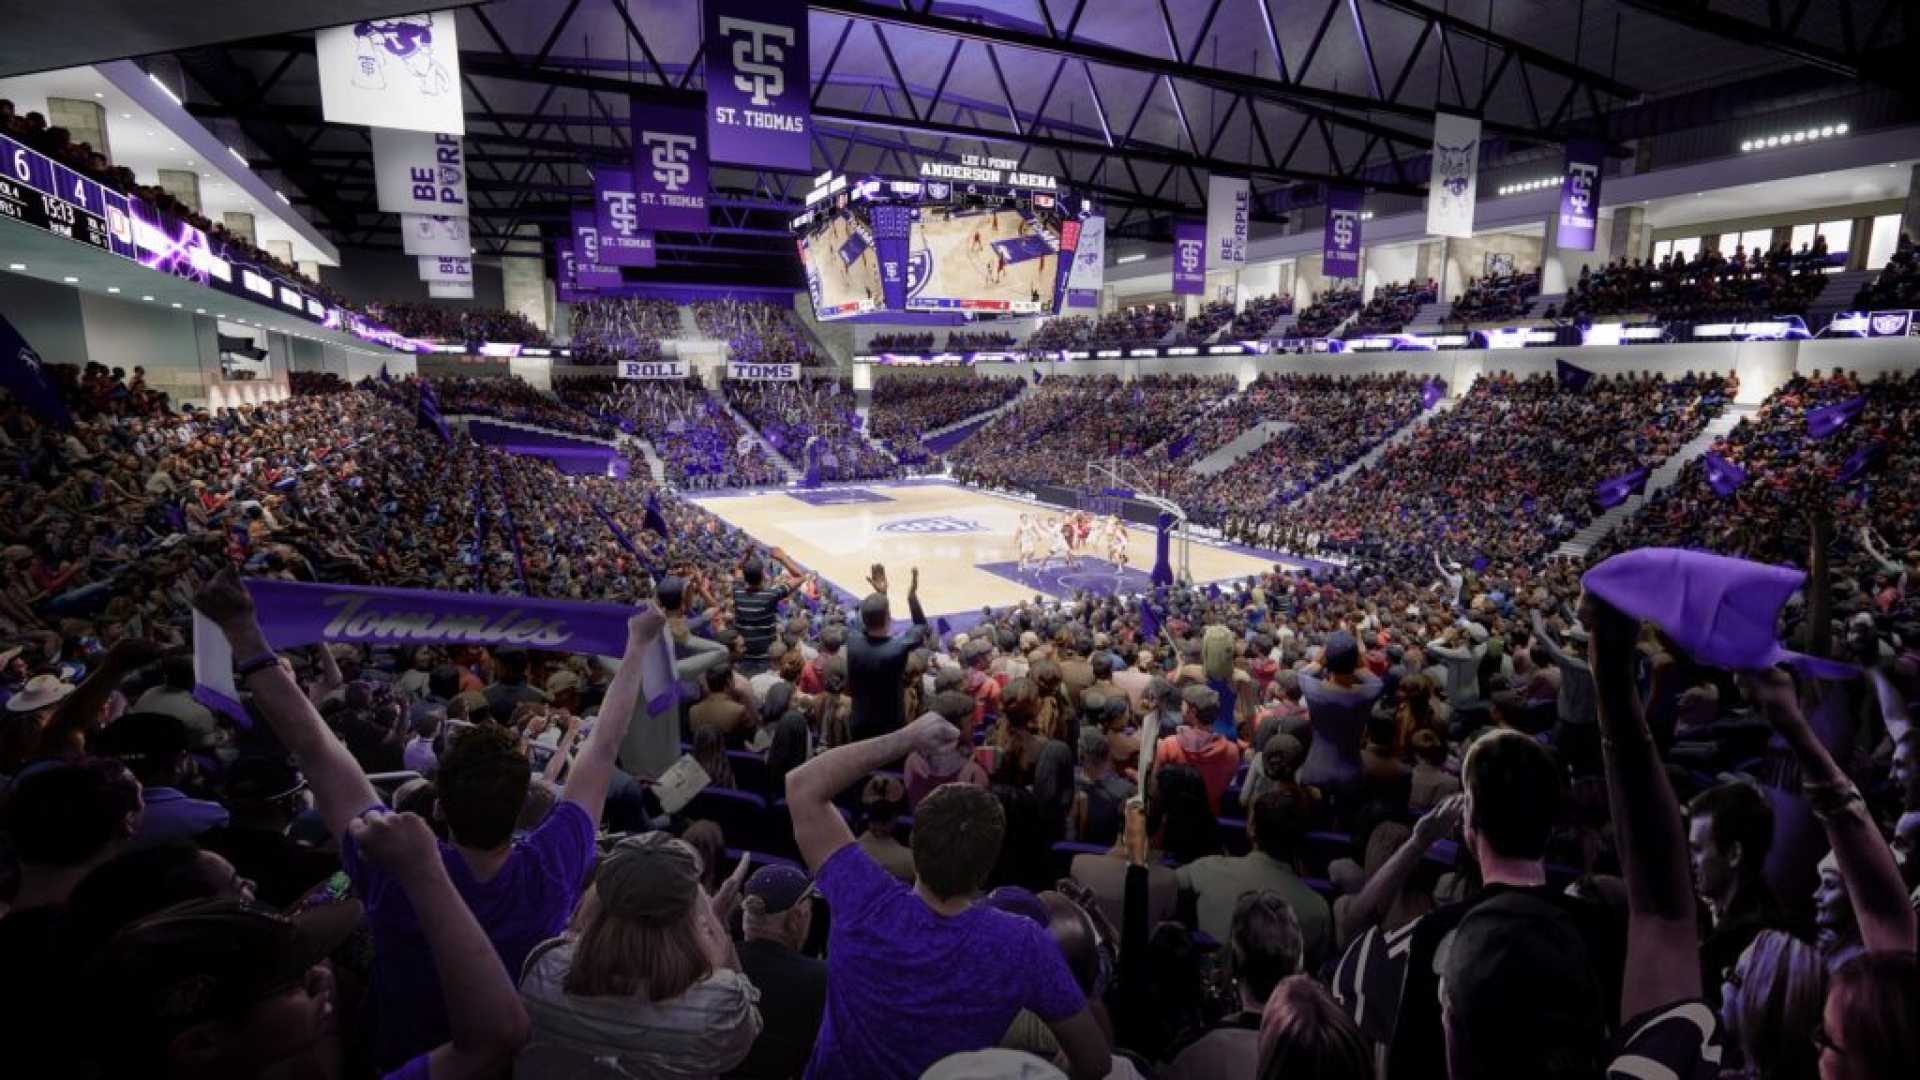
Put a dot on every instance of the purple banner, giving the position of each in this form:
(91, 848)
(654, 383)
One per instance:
(1579, 218)
(669, 168)
(1340, 245)
(623, 242)
(588, 269)
(891, 226)
(586, 236)
(758, 81)
(1190, 258)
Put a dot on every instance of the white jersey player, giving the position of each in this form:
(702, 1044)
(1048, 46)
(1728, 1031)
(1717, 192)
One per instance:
(1054, 530)
(1116, 543)
(1026, 541)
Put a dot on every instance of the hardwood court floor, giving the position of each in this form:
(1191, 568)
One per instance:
(962, 541)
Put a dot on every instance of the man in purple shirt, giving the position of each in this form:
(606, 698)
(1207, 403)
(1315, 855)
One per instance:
(916, 973)
(520, 891)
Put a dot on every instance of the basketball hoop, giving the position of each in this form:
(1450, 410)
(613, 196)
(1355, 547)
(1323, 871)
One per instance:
(1109, 476)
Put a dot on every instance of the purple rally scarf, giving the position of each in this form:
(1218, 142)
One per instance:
(297, 613)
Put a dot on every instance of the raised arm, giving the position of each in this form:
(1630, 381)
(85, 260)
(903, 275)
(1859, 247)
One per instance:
(913, 600)
(489, 1023)
(341, 790)
(818, 828)
(1544, 636)
(586, 785)
(66, 728)
(1873, 551)
(1663, 942)
(1866, 863)
(1393, 875)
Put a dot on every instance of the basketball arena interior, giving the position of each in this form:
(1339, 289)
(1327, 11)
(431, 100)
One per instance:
(1355, 539)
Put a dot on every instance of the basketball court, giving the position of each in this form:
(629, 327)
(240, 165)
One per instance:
(958, 268)
(961, 539)
(848, 266)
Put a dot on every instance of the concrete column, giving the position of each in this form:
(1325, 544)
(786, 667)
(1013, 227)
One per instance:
(182, 184)
(85, 121)
(1910, 214)
(240, 223)
(1862, 237)
(523, 281)
(279, 249)
(1628, 236)
(1190, 305)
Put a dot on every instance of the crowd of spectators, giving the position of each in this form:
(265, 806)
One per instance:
(509, 397)
(1261, 312)
(813, 422)
(1329, 309)
(468, 326)
(1393, 307)
(696, 439)
(1376, 821)
(905, 408)
(1709, 286)
(32, 130)
(316, 382)
(609, 330)
(1875, 520)
(1332, 421)
(1494, 298)
(1061, 332)
(1896, 286)
(1506, 474)
(1067, 423)
(964, 341)
(1134, 326)
(902, 341)
(1203, 324)
(756, 332)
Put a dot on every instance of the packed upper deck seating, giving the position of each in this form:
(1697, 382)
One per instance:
(434, 322)
(1329, 309)
(696, 439)
(906, 408)
(1393, 307)
(1709, 286)
(813, 420)
(1495, 298)
(1259, 316)
(1066, 423)
(609, 330)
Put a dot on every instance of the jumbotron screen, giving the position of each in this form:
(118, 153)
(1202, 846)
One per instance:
(841, 260)
(936, 245)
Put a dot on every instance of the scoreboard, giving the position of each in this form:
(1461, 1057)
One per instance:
(39, 192)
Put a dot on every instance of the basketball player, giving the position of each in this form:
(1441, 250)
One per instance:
(1060, 539)
(1116, 543)
(1024, 539)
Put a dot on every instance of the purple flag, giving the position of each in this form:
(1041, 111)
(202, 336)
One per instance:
(1340, 246)
(428, 413)
(1572, 377)
(1579, 217)
(1862, 460)
(1611, 493)
(1722, 475)
(1190, 258)
(669, 168)
(1826, 422)
(758, 84)
(1432, 392)
(1149, 622)
(21, 376)
(654, 519)
(623, 241)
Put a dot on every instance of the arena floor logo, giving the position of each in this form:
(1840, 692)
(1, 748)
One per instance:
(941, 523)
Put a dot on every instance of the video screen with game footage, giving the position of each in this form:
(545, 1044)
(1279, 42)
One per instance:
(938, 245)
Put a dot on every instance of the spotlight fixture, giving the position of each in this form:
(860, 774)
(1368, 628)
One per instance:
(16, 266)
(1525, 186)
(1793, 138)
(71, 280)
(113, 289)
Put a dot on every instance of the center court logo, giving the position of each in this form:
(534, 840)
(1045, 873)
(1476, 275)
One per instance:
(923, 526)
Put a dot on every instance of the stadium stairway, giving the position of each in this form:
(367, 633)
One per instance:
(1243, 444)
(655, 467)
(1280, 328)
(740, 421)
(688, 327)
(1158, 451)
(1669, 470)
(1836, 295)
(1542, 303)
(1428, 318)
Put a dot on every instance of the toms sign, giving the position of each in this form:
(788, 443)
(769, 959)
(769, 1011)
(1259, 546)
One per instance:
(750, 372)
(653, 369)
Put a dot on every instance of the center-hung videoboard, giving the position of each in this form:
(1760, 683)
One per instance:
(976, 236)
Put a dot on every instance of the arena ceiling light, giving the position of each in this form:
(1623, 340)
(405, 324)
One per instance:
(1794, 138)
(1130, 257)
(1525, 186)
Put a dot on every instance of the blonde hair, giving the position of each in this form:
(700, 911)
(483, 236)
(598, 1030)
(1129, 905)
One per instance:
(1780, 986)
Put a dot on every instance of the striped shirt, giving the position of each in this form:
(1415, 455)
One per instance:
(754, 615)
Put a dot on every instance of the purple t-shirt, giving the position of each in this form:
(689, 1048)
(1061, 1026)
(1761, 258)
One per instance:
(526, 903)
(907, 987)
